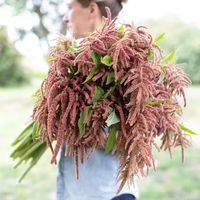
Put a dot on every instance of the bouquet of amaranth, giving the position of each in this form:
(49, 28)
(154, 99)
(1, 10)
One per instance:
(116, 78)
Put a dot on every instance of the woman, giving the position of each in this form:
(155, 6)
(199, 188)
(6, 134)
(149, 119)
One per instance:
(97, 175)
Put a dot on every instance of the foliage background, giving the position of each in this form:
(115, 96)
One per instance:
(12, 72)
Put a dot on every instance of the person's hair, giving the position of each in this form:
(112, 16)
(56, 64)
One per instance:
(114, 5)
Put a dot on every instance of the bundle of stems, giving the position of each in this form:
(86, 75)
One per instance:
(28, 148)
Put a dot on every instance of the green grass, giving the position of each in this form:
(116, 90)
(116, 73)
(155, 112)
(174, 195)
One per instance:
(172, 178)
(171, 181)
(16, 107)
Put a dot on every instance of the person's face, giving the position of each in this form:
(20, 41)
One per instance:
(79, 19)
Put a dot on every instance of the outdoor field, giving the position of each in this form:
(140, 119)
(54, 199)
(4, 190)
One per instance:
(171, 181)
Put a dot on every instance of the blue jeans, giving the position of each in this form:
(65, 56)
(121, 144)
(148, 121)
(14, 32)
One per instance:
(124, 197)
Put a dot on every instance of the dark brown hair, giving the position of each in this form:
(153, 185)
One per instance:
(114, 5)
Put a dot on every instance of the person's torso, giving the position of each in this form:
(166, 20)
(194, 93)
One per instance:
(97, 177)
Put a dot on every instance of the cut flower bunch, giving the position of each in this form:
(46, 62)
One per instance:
(116, 78)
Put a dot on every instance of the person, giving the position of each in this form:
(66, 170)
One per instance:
(97, 175)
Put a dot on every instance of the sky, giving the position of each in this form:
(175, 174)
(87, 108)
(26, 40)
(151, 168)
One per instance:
(187, 10)
(134, 11)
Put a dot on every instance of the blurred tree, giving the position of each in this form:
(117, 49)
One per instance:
(182, 37)
(46, 16)
(11, 71)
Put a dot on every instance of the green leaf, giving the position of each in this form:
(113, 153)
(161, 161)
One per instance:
(22, 149)
(107, 60)
(179, 109)
(187, 130)
(91, 74)
(112, 119)
(159, 38)
(121, 29)
(87, 114)
(161, 79)
(112, 89)
(37, 93)
(58, 108)
(35, 130)
(156, 103)
(149, 55)
(110, 110)
(150, 103)
(98, 93)
(50, 58)
(24, 143)
(23, 134)
(111, 139)
(72, 48)
(170, 57)
(27, 154)
(74, 44)
(72, 71)
(87, 34)
(96, 58)
(110, 77)
(35, 158)
(81, 124)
